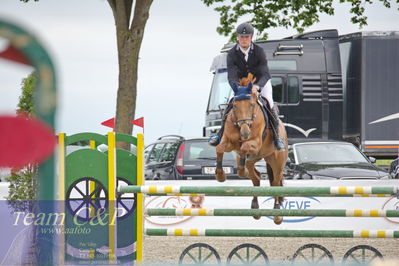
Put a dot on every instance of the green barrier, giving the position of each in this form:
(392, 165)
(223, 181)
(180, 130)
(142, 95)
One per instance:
(91, 178)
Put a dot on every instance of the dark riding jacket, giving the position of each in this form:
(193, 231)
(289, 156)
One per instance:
(238, 68)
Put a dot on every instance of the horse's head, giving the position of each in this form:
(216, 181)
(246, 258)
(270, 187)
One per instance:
(244, 104)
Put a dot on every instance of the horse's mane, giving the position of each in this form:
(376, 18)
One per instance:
(247, 80)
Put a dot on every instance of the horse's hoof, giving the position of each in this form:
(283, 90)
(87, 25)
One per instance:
(278, 219)
(220, 176)
(254, 204)
(242, 173)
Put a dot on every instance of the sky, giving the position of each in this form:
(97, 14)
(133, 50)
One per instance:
(174, 81)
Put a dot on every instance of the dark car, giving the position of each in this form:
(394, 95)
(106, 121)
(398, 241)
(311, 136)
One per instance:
(174, 157)
(330, 160)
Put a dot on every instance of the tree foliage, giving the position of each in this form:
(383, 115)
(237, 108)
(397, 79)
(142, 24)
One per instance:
(297, 14)
(23, 182)
(25, 104)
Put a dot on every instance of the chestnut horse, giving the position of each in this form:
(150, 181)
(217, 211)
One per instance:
(244, 134)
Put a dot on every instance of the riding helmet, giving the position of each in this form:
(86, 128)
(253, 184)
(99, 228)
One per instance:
(245, 29)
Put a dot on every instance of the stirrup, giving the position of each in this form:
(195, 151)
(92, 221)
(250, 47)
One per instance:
(214, 140)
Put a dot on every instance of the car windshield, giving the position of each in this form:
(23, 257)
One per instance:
(329, 153)
(220, 91)
(200, 150)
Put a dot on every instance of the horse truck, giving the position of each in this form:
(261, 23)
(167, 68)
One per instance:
(328, 87)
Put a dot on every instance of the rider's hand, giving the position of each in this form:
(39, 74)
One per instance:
(255, 88)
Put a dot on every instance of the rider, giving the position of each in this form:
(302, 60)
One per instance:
(247, 57)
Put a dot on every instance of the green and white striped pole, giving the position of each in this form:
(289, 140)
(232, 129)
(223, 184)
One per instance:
(263, 191)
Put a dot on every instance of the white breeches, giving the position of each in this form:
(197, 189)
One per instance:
(267, 92)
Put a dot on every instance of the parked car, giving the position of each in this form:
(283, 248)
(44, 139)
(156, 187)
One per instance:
(174, 157)
(394, 168)
(330, 160)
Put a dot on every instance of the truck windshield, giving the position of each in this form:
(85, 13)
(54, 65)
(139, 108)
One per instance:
(220, 91)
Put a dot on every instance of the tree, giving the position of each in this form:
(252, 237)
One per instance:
(130, 24)
(130, 20)
(23, 182)
(297, 14)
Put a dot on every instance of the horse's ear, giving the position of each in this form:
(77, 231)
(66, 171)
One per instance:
(250, 77)
(242, 82)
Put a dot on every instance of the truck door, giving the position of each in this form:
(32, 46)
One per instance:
(303, 106)
(299, 108)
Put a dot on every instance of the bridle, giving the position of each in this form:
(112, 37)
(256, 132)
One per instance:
(244, 121)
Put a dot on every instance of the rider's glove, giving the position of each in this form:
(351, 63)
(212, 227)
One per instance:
(255, 88)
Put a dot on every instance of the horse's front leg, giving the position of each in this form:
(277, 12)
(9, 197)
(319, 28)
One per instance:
(220, 174)
(241, 169)
(251, 147)
(255, 178)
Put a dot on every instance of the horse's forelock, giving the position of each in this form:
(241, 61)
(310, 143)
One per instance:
(249, 79)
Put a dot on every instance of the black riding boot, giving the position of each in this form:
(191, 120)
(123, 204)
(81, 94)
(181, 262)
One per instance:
(214, 140)
(274, 120)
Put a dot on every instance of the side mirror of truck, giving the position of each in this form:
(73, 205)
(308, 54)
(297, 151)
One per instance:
(288, 162)
(372, 159)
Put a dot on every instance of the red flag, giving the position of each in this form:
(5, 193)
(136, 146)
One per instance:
(138, 122)
(109, 123)
(10, 53)
(19, 148)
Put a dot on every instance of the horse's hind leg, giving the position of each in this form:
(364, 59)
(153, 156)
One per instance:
(255, 178)
(274, 181)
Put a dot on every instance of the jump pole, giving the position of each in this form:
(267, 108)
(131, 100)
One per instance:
(334, 191)
(272, 212)
(61, 194)
(139, 228)
(111, 197)
(274, 233)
